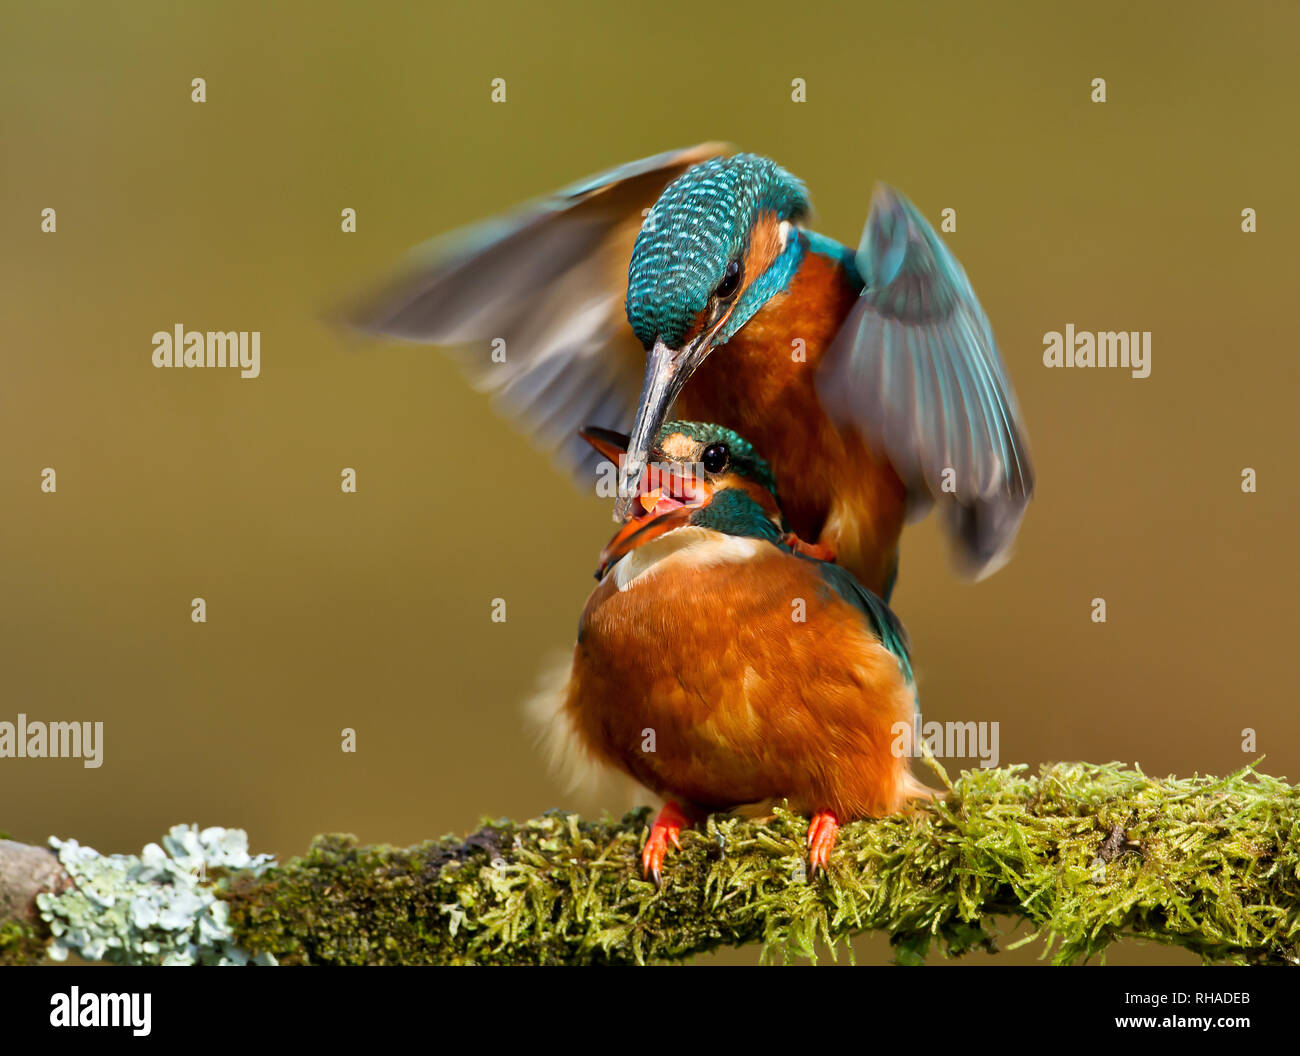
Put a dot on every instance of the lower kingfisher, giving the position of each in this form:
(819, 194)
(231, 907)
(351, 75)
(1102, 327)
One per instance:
(870, 379)
(718, 666)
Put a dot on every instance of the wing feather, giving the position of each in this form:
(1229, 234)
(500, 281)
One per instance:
(549, 279)
(916, 370)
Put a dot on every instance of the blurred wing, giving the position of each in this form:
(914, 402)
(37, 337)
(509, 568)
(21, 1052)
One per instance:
(916, 370)
(549, 280)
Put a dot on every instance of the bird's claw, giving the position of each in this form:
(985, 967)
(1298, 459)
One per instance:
(823, 829)
(666, 830)
(814, 550)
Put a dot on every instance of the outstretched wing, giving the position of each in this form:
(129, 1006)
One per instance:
(916, 370)
(549, 280)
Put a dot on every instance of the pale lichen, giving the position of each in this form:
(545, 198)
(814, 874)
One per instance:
(160, 907)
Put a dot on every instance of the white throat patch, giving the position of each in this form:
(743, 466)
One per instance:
(691, 547)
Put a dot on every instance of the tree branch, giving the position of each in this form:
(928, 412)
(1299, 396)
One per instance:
(1087, 854)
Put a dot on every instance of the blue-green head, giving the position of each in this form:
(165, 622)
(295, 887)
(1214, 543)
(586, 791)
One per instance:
(701, 475)
(688, 265)
(718, 243)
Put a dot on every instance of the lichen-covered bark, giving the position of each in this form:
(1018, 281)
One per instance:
(1087, 854)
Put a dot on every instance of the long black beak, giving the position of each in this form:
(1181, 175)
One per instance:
(607, 443)
(666, 371)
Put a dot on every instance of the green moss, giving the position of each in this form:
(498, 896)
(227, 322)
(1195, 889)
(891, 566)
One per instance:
(1087, 854)
(21, 943)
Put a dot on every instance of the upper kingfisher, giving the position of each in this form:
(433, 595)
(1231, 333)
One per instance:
(762, 672)
(870, 378)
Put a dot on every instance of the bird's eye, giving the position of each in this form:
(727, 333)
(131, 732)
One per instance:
(730, 283)
(715, 458)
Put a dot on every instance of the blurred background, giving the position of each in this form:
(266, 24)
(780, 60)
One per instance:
(372, 610)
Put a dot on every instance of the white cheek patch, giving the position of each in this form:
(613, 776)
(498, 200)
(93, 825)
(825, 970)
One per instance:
(689, 547)
(784, 232)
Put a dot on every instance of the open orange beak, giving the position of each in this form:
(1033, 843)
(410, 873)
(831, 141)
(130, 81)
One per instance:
(668, 493)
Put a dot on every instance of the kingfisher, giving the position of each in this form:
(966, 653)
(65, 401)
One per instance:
(757, 672)
(689, 283)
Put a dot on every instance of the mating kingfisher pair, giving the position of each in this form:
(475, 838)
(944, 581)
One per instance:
(827, 396)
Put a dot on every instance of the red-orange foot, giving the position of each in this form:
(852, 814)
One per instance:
(822, 831)
(813, 550)
(664, 831)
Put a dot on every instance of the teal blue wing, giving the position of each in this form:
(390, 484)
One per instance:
(916, 370)
(884, 623)
(549, 281)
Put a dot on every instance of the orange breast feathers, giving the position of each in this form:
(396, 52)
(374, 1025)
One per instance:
(703, 683)
(833, 488)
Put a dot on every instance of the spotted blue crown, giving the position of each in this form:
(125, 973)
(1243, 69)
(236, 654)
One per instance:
(699, 224)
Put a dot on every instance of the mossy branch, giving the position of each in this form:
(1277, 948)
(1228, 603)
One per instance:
(1087, 854)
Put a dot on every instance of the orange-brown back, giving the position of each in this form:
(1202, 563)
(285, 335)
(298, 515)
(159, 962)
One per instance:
(833, 488)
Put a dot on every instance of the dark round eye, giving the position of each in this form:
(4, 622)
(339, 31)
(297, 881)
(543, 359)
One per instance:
(730, 283)
(715, 457)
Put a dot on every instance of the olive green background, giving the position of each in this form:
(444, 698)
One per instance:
(372, 610)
